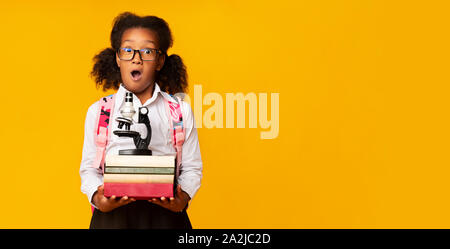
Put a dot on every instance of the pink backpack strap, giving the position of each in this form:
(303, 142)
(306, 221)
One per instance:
(101, 135)
(176, 126)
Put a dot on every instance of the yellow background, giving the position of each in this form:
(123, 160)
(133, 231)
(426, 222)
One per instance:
(364, 121)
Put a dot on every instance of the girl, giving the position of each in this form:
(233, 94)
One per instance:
(137, 62)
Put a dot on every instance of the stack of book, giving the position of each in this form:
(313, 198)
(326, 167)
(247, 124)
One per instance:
(139, 176)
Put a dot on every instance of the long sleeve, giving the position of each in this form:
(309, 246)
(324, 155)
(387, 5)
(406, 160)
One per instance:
(191, 161)
(91, 177)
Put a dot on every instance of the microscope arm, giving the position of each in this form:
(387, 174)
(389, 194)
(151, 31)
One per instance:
(141, 143)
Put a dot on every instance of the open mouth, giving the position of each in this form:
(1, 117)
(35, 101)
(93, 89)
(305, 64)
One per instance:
(136, 75)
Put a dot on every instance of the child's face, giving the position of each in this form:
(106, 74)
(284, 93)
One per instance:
(139, 38)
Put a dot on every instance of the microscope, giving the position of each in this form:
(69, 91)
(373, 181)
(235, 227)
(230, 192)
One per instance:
(127, 112)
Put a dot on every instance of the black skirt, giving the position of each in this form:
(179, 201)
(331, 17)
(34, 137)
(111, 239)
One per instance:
(140, 214)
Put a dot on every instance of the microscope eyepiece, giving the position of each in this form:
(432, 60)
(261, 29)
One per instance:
(128, 97)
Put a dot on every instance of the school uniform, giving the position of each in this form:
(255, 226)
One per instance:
(142, 214)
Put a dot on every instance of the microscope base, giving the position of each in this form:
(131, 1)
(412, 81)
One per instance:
(135, 152)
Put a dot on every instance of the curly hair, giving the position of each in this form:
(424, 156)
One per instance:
(172, 77)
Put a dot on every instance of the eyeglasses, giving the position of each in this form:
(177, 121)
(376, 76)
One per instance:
(146, 54)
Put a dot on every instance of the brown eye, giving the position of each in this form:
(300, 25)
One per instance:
(147, 51)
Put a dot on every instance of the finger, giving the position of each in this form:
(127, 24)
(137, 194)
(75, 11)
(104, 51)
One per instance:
(179, 191)
(100, 189)
(161, 201)
(130, 200)
(172, 199)
(123, 200)
(164, 200)
(112, 198)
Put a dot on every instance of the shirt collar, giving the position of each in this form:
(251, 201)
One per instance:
(156, 92)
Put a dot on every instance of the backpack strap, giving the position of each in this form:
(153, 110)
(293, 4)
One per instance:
(101, 134)
(176, 126)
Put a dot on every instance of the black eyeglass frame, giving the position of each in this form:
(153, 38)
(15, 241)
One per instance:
(158, 52)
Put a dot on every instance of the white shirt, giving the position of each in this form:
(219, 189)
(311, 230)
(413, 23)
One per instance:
(160, 144)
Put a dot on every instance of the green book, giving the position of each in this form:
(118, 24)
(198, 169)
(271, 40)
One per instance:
(140, 170)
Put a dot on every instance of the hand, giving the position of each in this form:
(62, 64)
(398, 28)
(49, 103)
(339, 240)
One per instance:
(105, 204)
(176, 204)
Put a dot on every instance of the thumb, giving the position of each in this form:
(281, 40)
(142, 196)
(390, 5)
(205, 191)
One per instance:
(100, 189)
(178, 190)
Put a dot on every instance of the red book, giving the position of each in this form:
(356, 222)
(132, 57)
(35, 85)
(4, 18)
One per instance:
(139, 191)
